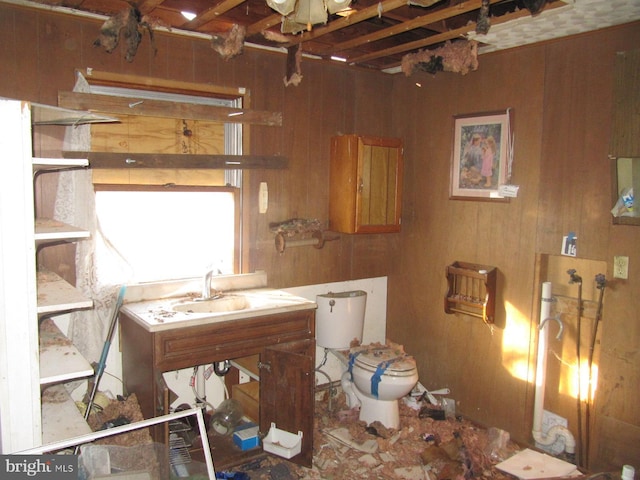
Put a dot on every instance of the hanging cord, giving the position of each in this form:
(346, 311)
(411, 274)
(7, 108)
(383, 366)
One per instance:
(600, 285)
(575, 278)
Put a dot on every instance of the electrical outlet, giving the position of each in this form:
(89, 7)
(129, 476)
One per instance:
(621, 267)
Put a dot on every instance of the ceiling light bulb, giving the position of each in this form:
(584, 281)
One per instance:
(189, 15)
(346, 11)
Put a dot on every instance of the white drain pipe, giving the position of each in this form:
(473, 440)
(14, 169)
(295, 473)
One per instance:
(557, 431)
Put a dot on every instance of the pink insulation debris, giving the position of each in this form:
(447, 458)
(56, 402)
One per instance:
(229, 44)
(459, 57)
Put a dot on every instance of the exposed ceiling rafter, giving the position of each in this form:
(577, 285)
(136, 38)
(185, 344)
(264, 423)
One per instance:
(377, 34)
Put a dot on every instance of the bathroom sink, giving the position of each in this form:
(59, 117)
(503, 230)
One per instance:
(185, 311)
(224, 303)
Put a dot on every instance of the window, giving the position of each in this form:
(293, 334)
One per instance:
(172, 223)
(161, 233)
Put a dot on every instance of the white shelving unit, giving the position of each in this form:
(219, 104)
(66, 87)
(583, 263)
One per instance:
(48, 230)
(34, 353)
(59, 360)
(56, 296)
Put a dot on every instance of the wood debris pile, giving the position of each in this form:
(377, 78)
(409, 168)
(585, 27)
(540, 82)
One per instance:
(423, 448)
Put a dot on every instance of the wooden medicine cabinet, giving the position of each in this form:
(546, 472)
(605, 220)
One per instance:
(365, 194)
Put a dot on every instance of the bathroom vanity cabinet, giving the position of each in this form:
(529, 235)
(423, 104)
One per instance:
(284, 342)
(365, 184)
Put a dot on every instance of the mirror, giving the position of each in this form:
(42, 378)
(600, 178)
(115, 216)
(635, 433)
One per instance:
(626, 184)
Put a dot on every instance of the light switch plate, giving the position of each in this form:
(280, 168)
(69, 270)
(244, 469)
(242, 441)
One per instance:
(263, 198)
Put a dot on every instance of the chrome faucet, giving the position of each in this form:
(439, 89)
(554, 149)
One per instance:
(206, 285)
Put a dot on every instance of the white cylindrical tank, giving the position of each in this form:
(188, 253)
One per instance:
(340, 318)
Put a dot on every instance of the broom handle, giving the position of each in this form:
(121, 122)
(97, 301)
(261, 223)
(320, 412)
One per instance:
(105, 352)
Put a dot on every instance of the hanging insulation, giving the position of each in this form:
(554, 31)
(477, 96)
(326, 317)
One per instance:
(294, 69)
(229, 44)
(128, 24)
(459, 57)
(484, 21)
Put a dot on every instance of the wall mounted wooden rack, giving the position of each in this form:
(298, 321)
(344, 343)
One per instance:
(471, 290)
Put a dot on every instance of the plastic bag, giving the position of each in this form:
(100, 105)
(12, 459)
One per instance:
(624, 207)
(497, 447)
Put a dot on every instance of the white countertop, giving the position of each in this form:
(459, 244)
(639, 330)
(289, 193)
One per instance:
(159, 314)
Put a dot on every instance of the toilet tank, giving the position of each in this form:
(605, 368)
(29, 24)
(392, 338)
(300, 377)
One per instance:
(340, 318)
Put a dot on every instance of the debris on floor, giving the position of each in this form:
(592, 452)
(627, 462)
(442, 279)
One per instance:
(424, 448)
(120, 411)
(429, 445)
(132, 451)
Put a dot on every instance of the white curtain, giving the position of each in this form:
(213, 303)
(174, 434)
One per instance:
(75, 205)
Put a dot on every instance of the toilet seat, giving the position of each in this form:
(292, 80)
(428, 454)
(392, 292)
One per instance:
(373, 359)
(379, 362)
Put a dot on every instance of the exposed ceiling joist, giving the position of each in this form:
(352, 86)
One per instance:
(417, 22)
(377, 34)
(343, 22)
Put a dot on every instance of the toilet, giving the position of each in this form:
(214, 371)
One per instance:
(376, 375)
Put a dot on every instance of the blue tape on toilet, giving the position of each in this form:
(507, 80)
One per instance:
(377, 377)
(352, 359)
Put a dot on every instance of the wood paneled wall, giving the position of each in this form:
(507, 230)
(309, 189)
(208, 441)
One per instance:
(561, 96)
(561, 93)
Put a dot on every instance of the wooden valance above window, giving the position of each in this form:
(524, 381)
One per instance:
(167, 109)
(173, 131)
(163, 108)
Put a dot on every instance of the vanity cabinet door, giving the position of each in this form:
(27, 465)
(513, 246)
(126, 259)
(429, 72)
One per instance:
(287, 392)
(365, 184)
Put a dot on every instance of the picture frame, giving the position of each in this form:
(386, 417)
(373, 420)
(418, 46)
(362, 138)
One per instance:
(482, 153)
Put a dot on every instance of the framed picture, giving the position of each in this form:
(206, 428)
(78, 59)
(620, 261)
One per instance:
(481, 155)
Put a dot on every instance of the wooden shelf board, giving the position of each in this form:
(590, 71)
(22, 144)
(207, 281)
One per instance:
(129, 160)
(61, 419)
(60, 360)
(48, 230)
(53, 115)
(56, 295)
(40, 164)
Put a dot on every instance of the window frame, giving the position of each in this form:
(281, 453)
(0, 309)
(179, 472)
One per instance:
(239, 97)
